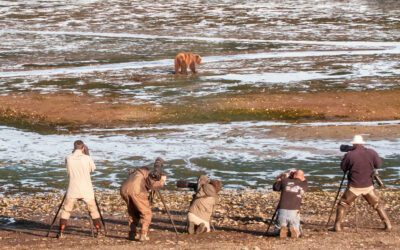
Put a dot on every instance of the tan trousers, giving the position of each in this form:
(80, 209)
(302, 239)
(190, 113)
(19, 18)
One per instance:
(69, 206)
(197, 221)
(139, 211)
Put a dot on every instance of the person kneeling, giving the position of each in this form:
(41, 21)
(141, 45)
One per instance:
(292, 186)
(202, 205)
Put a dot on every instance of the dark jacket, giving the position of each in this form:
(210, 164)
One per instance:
(360, 162)
(292, 191)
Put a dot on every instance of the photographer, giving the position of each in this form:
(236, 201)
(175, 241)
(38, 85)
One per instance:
(135, 191)
(292, 186)
(360, 163)
(202, 206)
(79, 166)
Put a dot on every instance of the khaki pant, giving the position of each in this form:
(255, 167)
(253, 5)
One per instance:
(139, 211)
(69, 206)
(197, 221)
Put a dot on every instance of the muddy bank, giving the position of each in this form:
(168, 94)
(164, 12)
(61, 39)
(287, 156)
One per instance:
(72, 112)
(240, 222)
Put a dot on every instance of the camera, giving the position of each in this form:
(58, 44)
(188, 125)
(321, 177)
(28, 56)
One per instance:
(346, 148)
(186, 184)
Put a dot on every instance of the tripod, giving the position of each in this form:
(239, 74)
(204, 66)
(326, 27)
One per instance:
(337, 195)
(90, 218)
(166, 208)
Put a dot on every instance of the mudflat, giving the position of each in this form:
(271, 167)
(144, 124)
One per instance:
(73, 111)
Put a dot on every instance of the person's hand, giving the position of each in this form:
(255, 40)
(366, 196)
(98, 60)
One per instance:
(163, 178)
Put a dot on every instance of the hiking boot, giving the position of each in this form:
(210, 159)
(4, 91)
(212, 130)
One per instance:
(293, 232)
(283, 232)
(201, 228)
(97, 226)
(133, 235)
(143, 237)
(191, 229)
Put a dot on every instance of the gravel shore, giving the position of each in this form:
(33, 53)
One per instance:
(240, 222)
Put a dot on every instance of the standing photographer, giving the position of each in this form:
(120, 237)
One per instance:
(79, 166)
(202, 206)
(135, 192)
(292, 185)
(360, 163)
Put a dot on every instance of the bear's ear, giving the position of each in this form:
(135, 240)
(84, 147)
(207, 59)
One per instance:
(198, 59)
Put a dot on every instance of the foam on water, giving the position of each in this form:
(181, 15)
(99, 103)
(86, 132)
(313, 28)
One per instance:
(196, 148)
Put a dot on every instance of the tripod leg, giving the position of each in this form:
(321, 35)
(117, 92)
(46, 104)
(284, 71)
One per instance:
(272, 219)
(166, 208)
(337, 195)
(91, 225)
(55, 217)
(101, 216)
(355, 205)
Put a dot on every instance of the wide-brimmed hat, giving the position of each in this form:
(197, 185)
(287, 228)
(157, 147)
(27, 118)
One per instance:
(358, 139)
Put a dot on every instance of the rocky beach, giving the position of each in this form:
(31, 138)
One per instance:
(240, 222)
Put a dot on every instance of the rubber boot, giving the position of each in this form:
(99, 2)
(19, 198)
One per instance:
(293, 232)
(97, 225)
(340, 213)
(283, 233)
(63, 225)
(382, 214)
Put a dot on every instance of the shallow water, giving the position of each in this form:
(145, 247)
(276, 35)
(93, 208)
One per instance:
(124, 50)
(242, 154)
(53, 46)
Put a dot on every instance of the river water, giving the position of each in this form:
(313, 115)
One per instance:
(124, 50)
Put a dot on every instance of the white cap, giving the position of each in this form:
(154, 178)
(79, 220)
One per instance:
(358, 139)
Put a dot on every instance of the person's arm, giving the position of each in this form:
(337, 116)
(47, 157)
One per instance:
(304, 185)
(277, 186)
(158, 184)
(91, 164)
(345, 164)
(377, 160)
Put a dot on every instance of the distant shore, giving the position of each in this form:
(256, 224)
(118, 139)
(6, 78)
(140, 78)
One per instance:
(240, 221)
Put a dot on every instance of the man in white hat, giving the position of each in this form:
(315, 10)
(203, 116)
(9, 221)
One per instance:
(360, 164)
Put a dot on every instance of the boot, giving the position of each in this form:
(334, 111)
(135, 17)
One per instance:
(294, 233)
(201, 228)
(63, 224)
(283, 233)
(191, 228)
(97, 225)
(382, 214)
(340, 213)
(143, 237)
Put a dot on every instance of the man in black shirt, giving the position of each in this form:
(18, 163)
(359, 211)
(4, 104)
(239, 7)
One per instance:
(292, 186)
(360, 164)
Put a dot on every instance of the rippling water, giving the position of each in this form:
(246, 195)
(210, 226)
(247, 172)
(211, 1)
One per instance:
(124, 50)
(242, 154)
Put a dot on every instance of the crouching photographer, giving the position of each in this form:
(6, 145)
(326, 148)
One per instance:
(292, 185)
(203, 203)
(135, 192)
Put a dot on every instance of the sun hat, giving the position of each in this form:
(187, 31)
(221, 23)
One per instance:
(358, 139)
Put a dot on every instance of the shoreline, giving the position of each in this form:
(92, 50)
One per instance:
(240, 220)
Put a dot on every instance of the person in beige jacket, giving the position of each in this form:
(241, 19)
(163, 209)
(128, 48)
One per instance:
(79, 167)
(135, 192)
(202, 205)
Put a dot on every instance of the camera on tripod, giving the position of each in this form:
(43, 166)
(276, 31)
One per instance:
(186, 184)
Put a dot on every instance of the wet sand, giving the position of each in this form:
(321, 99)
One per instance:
(240, 222)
